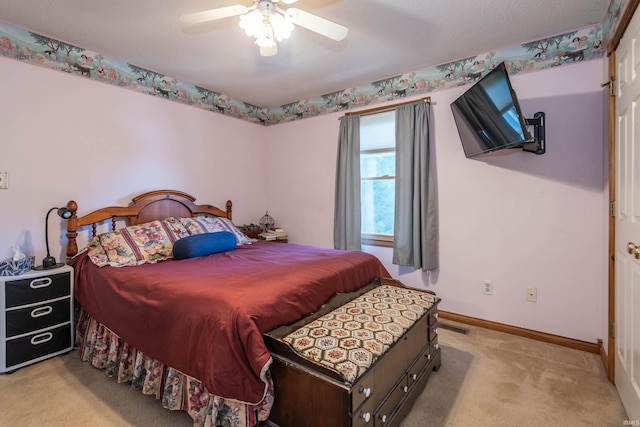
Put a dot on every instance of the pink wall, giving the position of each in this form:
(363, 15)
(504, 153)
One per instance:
(63, 137)
(518, 219)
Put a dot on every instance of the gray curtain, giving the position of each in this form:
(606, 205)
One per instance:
(416, 211)
(347, 219)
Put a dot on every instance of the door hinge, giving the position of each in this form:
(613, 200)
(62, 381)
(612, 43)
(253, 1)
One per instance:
(612, 86)
(612, 329)
(612, 208)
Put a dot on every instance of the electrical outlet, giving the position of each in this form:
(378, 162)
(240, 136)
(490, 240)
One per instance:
(487, 287)
(4, 180)
(532, 294)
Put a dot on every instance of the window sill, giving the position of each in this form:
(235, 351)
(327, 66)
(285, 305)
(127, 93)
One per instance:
(385, 241)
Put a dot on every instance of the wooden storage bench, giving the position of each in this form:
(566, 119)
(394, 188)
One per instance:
(361, 360)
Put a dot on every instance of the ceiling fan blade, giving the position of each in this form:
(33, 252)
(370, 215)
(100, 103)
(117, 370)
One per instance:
(288, 1)
(317, 24)
(213, 14)
(269, 50)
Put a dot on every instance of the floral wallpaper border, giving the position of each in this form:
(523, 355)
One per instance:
(567, 48)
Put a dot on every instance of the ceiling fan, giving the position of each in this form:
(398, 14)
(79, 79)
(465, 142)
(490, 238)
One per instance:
(268, 22)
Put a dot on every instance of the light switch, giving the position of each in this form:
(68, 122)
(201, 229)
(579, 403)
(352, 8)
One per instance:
(4, 180)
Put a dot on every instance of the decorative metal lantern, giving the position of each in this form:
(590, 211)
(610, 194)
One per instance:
(267, 221)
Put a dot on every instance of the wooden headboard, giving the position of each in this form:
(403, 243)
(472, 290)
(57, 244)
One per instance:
(146, 207)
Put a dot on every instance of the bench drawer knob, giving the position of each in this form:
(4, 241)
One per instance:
(365, 390)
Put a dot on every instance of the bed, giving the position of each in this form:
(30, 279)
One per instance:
(190, 331)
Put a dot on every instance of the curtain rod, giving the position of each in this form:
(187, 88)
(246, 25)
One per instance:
(386, 108)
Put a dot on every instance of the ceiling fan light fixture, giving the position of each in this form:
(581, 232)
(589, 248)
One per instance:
(269, 50)
(252, 23)
(265, 39)
(267, 22)
(267, 25)
(282, 27)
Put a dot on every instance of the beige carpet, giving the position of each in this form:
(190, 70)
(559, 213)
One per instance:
(494, 379)
(487, 378)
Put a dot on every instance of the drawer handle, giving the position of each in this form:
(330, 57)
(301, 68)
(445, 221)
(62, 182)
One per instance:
(366, 416)
(435, 330)
(365, 390)
(40, 283)
(41, 338)
(414, 376)
(405, 389)
(383, 418)
(437, 346)
(428, 357)
(41, 311)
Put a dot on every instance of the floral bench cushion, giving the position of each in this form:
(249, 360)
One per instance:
(352, 337)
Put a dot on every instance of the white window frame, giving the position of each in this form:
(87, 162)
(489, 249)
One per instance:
(371, 238)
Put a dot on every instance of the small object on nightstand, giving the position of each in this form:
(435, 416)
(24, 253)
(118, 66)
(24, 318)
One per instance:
(17, 265)
(252, 230)
(276, 234)
(267, 235)
(49, 261)
(267, 221)
(37, 317)
(280, 234)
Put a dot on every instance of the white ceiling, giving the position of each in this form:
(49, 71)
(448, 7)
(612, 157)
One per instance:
(386, 38)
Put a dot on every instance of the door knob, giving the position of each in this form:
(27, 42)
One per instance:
(631, 247)
(634, 250)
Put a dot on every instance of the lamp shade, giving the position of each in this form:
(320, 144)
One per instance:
(50, 262)
(251, 23)
(282, 27)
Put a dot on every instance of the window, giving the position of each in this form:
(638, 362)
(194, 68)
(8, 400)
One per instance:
(377, 174)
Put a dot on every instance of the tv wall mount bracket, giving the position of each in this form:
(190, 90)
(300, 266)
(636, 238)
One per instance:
(538, 145)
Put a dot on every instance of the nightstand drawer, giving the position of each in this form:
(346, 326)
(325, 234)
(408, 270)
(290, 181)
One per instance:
(41, 316)
(39, 344)
(36, 289)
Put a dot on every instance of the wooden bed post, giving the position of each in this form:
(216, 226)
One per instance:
(229, 209)
(72, 226)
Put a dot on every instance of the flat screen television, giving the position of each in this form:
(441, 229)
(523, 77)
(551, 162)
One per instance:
(488, 115)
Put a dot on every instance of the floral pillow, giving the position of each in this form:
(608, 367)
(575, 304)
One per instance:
(203, 224)
(175, 227)
(137, 244)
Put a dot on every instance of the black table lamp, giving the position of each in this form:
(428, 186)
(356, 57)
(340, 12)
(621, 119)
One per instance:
(50, 262)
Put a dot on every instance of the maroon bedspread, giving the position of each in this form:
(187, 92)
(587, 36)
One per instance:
(205, 316)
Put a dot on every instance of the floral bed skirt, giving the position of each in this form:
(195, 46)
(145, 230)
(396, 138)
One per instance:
(177, 391)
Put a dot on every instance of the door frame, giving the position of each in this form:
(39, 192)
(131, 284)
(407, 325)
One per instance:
(609, 357)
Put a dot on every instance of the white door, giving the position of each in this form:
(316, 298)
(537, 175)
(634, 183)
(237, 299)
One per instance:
(627, 236)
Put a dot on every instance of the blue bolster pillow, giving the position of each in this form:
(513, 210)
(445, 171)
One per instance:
(204, 244)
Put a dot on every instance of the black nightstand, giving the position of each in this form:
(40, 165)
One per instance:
(37, 317)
